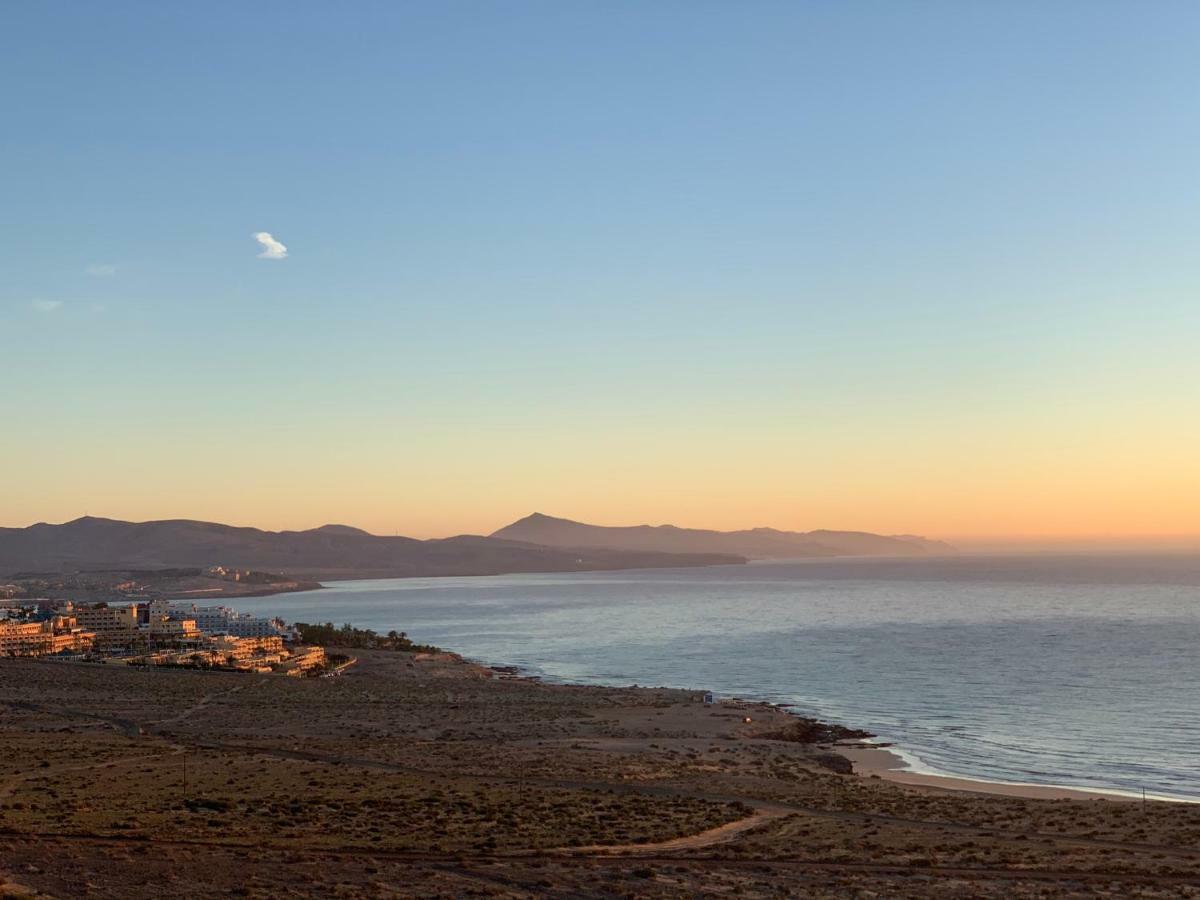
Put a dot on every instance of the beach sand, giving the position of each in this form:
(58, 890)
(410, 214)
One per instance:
(885, 764)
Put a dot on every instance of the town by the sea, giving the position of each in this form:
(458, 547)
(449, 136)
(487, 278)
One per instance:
(1080, 671)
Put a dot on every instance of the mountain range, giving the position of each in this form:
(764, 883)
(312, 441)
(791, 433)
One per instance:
(755, 543)
(324, 554)
(536, 543)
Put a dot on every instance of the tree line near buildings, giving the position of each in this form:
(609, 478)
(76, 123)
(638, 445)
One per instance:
(327, 635)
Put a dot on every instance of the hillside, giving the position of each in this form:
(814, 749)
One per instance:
(326, 553)
(757, 543)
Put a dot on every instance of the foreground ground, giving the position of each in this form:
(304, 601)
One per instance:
(432, 777)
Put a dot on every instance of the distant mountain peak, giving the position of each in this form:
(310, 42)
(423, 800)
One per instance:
(333, 528)
(760, 543)
(542, 517)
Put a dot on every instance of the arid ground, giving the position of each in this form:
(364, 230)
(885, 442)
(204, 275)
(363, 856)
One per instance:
(429, 776)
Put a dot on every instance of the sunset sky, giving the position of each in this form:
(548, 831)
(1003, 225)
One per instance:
(424, 268)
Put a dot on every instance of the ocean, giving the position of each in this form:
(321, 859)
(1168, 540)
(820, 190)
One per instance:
(1079, 671)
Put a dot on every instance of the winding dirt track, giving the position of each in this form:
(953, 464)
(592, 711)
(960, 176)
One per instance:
(722, 834)
(193, 709)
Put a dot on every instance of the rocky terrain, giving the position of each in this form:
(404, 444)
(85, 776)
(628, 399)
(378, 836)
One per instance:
(423, 775)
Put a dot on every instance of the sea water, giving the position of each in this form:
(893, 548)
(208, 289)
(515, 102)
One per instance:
(1076, 671)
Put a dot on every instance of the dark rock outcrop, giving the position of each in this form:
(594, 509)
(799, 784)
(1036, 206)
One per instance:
(814, 731)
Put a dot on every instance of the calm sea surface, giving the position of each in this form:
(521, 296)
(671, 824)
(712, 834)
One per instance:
(1081, 671)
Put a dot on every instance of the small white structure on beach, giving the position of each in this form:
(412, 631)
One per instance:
(708, 698)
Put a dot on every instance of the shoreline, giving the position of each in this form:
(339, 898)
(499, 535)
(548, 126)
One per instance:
(894, 765)
(885, 762)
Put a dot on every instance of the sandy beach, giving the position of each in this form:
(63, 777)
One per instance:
(884, 763)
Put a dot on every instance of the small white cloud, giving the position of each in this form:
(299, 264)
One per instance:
(101, 270)
(272, 249)
(46, 306)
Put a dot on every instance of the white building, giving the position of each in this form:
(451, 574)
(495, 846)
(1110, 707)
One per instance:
(221, 620)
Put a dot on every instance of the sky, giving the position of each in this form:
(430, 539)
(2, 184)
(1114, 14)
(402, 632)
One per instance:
(427, 267)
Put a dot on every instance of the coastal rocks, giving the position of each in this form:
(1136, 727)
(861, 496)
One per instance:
(814, 731)
(834, 762)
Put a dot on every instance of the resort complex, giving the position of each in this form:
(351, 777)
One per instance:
(157, 632)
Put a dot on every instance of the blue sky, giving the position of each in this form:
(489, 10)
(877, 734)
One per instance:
(669, 240)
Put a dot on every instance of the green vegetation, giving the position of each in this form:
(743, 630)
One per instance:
(359, 638)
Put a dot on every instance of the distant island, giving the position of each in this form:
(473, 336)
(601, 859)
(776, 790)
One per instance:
(755, 543)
